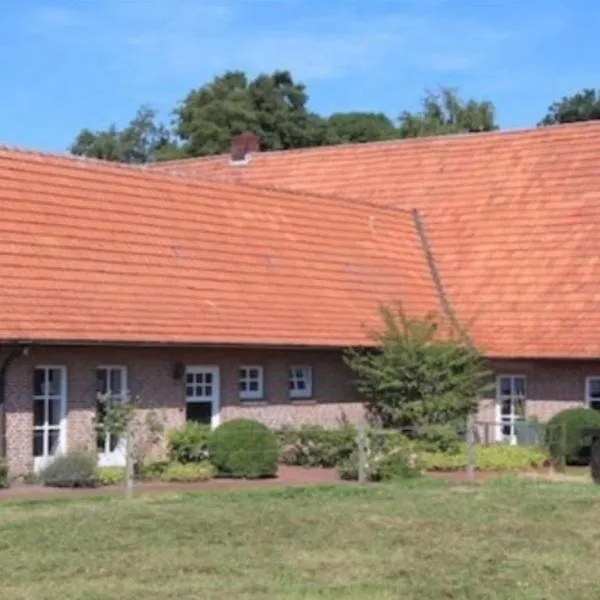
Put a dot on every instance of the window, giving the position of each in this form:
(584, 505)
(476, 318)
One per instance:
(300, 382)
(592, 392)
(111, 383)
(49, 407)
(251, 383)
(511, 394)
(202, 394)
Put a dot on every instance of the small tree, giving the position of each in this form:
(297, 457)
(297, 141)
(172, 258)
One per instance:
(416, 378)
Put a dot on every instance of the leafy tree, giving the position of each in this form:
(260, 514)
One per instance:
(443, 112)
(141, 141)
(416, 378)
(362, 127)
(582, 106)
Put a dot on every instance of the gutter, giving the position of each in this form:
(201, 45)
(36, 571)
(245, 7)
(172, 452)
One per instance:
(4, 368)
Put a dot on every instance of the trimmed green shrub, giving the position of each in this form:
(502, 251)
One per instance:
(110, 476)
(439, 438)
(4, 479)
(75, 469)
(244, 448)
(189, 443)
(397, 464)
(492, 457)
(149, 471)
(315, 446)
(188, 472)
(566, 435)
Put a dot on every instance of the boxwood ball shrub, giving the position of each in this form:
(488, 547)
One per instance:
(566, 435)
(189, 443)
(244, 448)
(75, 469)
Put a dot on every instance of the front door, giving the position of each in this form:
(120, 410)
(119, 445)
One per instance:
(49, 414)
(202, 394)
(511, 394)
(111, 381)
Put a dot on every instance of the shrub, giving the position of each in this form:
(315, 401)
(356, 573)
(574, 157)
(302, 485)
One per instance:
(566, 435)
(244, 448)
(110, 476)
(4, 480)
(148, 471)
(188, 472)
(315, 446)
(189, 443)
(75, 469)
(492, 457)
(439, 438)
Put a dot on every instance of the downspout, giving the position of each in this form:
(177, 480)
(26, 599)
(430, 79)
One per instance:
(4, 367)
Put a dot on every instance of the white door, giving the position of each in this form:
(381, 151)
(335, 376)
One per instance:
(49, 414)
(511, 393)
(111, 381)
(202, 394)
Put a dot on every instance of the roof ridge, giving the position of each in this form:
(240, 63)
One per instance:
(447, 137)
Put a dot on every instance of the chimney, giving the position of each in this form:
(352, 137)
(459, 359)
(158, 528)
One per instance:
(242, 146)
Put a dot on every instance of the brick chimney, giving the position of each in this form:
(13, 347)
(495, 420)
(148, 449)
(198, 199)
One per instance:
(243, 145)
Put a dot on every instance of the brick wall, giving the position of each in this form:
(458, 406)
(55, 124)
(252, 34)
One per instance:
(551, 386)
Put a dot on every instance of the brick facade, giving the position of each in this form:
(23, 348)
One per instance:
(551, 386)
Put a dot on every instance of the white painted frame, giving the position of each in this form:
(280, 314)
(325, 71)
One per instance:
(296, 394)
(252, 394)
(215, 399)
(588, 381)
(39, 462)
(117, 457)
(499, 397)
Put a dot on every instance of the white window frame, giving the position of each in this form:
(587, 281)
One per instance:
(116, 457)
(499, 397)
(588, 386)
(307, 392)
(39, 462)
(215, 398)
(248, 394)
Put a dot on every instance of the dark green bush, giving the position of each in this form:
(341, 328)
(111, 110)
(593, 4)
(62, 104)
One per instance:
(315, 446)
(439, 438)
(110, 476)
(189, 443)
(152, 470)
(188, 472)
(244, 448)
(74, 470)
(4, 480)
(400, 463)
(566, 435)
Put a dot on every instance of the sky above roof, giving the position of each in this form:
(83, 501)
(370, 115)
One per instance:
(69, 64)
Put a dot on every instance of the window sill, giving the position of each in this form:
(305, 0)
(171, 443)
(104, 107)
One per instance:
(253, 402)
(303, 401)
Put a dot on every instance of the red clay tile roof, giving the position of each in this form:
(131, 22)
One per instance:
(513, 219)
(102, 253)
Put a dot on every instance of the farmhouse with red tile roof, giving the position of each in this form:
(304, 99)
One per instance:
(214, 288)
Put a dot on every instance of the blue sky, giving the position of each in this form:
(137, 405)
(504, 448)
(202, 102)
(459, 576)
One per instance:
(68, 64)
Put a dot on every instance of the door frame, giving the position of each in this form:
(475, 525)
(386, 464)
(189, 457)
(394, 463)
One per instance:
(40, 462)
(116, 458)
(215, 400)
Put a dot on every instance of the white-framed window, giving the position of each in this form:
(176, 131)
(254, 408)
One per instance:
(202, 394)
(111, 380)
(592, 392)
(49, 412)
(251, 382)
(300, 381)
(511, 393)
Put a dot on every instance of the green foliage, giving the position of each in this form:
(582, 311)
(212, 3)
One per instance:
(74, 469)
(244, 448)
(189, 443)
(492, 457)
(417, 378)
(582, 106)
(110, 476)
(566, 435)
(188, 472)
(315, 446)
(443, 112)
(4, 477)
(439, 438)
(359, 127)
(150, 470)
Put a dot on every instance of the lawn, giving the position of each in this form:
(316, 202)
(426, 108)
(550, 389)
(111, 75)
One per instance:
(506, 539)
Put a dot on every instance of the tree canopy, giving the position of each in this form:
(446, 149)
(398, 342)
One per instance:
(582, 106)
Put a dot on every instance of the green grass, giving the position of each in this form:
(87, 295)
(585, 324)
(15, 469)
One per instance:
(507, 539)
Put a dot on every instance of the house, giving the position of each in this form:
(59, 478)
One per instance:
(228, 286)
